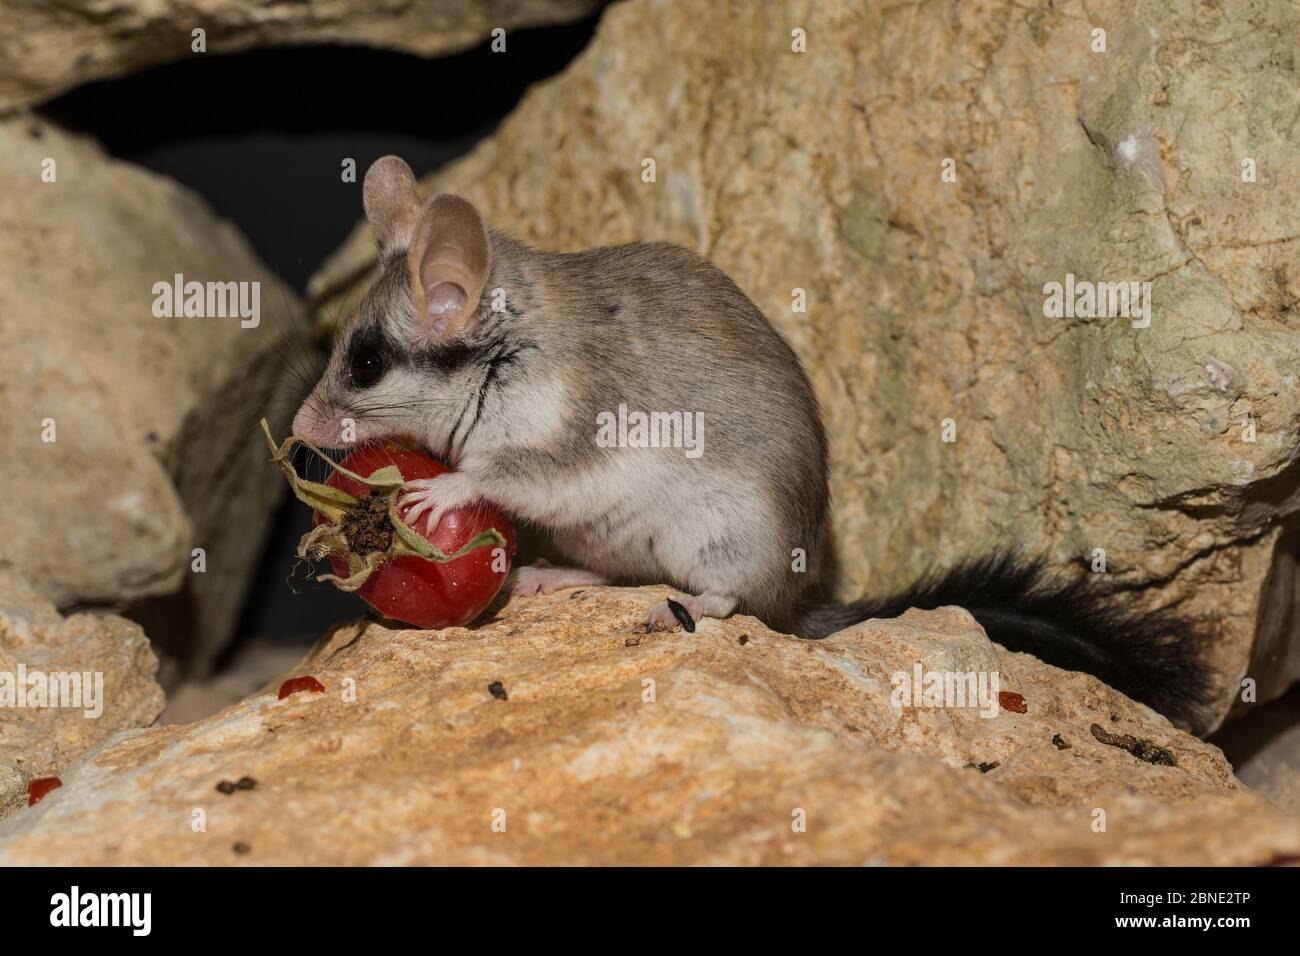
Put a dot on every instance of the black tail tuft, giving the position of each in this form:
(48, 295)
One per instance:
(1153, 657)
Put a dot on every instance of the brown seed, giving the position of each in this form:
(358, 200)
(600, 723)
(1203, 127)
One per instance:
(497, 690)
(226, 787)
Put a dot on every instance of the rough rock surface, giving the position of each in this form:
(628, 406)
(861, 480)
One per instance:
(41, 741)
(823, 171)
(155, 448)
(594, 743)
(48, 48)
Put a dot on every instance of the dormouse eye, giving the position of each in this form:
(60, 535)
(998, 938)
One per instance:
(367, 364)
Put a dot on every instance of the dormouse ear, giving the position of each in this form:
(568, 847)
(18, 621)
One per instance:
(391, 202)
(450, 259)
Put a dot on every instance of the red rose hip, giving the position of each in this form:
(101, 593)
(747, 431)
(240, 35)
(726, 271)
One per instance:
(412, 588)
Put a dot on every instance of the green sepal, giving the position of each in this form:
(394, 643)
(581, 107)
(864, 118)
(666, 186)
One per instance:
(407, 540)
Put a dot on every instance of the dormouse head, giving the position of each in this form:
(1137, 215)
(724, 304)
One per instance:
(410, 355)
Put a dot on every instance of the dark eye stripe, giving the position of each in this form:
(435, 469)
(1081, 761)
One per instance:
(450, 358)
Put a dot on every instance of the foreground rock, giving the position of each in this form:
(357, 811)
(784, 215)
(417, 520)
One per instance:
(586, 742)
(39, 741)
(133, 438)
(46, 49)
(1174, 448)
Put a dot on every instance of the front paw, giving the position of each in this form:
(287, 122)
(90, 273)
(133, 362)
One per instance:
(433, 498)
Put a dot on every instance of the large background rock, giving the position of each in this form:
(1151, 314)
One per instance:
(407, 755)
(157, 450)
(40, 742)
(48, 48)
(822, 171)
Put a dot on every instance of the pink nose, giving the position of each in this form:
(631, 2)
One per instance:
(302, 422)
(310, 425)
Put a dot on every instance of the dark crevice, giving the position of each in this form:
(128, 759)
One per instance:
(262, 135)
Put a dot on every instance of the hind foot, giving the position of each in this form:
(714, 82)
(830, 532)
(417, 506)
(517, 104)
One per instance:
(662, 618)
(541, 578)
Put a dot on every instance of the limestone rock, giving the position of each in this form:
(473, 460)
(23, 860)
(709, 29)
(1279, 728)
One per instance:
(133, 438)
(1175, 448)
(605, 745)
(46, 49)
(39, 741)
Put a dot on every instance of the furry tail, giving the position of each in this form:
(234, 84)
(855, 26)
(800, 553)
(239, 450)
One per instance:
(1152, 657)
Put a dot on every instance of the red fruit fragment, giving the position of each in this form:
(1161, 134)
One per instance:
(1013, 702)
(295, 684)
(39, 787)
